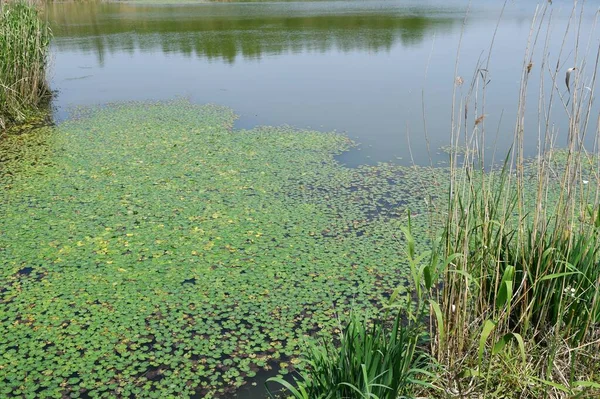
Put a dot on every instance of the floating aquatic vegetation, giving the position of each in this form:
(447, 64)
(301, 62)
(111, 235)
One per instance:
(151, 250)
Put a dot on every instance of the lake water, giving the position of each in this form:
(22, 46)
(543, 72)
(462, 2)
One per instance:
(366, 68)
(382, 71)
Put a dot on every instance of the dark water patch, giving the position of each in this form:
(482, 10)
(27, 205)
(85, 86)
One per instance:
(26, 271)
(256, 387)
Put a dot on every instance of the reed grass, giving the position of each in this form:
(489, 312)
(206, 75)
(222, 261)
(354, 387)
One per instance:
(510, 289)
(523, 280)
(24, 42)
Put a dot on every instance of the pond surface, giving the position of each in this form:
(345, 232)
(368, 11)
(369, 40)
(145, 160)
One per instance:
(161, 248)
(366, 68)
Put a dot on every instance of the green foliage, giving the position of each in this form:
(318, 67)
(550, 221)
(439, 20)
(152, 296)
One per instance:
(376, 361)
(24, 41)
(527, 282)
(149, 249)
(558, 273)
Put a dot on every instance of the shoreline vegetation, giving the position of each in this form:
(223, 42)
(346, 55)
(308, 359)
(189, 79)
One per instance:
(151, 250)
(24, 44)
(506, 301)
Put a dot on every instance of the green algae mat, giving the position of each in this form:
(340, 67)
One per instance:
(151, 250)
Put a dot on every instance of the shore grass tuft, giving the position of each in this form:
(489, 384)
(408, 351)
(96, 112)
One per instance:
(373, 360)
(24, 42)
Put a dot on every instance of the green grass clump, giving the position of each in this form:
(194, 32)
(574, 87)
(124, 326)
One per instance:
(558, 273)
(24, 42)
(371, 360)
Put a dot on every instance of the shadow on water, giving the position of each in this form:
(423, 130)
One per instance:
(255, 388)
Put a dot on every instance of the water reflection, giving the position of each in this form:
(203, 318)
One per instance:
(226, 31)
(381, 71)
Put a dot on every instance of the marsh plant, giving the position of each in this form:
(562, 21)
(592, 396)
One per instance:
(510, 287)
(24, 41)
(373, 359)
(151, 250)
(517, 309)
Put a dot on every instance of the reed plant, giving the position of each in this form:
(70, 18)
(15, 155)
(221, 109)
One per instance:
(513, 289)
(24, 43)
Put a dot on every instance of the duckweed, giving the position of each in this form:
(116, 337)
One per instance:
(151, 250)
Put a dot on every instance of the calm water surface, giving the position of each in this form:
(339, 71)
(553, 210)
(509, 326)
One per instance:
(367, 68)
